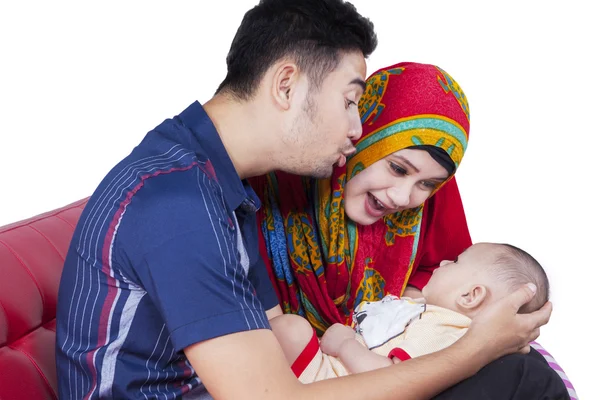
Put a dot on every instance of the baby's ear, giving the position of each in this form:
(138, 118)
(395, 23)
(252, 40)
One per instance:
(472, 298)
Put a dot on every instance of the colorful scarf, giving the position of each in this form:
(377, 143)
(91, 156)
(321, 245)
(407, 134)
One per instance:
(322, 264)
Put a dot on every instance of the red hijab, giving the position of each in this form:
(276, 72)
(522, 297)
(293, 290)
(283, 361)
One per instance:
(322, 264)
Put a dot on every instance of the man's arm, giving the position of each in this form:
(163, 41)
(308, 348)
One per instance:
(274, 312)
(251, 364)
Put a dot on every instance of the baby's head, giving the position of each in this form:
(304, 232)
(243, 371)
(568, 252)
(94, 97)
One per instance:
(484, 273)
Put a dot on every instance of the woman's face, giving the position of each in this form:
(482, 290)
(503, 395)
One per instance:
(402, 180)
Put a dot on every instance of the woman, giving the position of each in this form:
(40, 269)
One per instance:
(401, 212)
(382, 223)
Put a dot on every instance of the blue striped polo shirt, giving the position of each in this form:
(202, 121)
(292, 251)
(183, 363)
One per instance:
(165, 255)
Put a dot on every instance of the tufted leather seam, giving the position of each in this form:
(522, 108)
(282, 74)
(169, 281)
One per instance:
(55, 249)
(79, 204)
(28, 271)
(49, 242)
(37, 367)
(3, 311)
(51, 330)
(29, 332)
(64, 220)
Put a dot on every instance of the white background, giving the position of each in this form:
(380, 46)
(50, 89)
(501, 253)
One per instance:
(82, 82)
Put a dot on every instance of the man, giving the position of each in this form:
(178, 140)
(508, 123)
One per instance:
(163, 293)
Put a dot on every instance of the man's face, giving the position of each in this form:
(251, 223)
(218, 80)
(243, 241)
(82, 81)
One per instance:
(328, 119)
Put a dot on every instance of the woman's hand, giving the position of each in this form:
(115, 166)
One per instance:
(334, 337)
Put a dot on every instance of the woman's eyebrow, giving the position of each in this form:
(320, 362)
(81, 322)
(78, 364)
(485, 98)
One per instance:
(406, 162)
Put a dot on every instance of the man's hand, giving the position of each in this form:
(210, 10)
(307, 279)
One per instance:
(499, 330)
(334, 337)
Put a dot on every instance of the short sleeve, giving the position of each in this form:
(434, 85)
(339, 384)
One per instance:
(200, 288)
(177, 242)
(259, 277)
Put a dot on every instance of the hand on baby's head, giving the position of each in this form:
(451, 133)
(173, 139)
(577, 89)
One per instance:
(484, 273)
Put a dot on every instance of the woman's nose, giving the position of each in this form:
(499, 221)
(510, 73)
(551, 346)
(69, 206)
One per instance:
(400, 195)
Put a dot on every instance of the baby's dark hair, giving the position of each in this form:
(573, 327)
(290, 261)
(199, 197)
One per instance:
(516, 267)
(313, 33)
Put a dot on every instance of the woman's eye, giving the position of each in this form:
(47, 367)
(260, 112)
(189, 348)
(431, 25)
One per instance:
(349, 103)
(427, 185)
(398, 169)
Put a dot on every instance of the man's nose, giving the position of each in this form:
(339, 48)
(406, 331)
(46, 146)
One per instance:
(355, 131)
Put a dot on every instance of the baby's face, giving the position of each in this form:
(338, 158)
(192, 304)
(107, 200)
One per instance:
(452, 278)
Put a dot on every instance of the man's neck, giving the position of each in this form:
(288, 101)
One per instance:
(247, 134)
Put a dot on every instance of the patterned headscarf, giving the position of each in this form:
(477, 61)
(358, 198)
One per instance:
(323, 264)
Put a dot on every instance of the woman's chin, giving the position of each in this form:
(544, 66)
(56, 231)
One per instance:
(361, 218)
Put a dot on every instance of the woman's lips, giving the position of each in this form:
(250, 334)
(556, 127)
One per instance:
(374, 207)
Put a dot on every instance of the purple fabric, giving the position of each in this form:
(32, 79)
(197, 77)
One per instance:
(554, 365)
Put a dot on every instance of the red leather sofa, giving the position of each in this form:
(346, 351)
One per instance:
(32, 253)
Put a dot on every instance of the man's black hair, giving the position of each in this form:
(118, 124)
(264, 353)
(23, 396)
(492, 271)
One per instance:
(313, 33)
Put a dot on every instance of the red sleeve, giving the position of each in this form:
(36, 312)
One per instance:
(399, 354)
(444, 233)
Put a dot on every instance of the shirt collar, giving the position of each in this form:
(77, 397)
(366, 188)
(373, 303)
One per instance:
(210, 145)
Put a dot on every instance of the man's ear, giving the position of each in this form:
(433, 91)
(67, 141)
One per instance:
(284, 84)
(472, 298)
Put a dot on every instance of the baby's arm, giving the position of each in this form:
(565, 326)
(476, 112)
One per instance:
(339, 341)
(357, 358)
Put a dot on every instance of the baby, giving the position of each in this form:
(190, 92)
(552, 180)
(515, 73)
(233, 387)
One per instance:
(397, 329)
